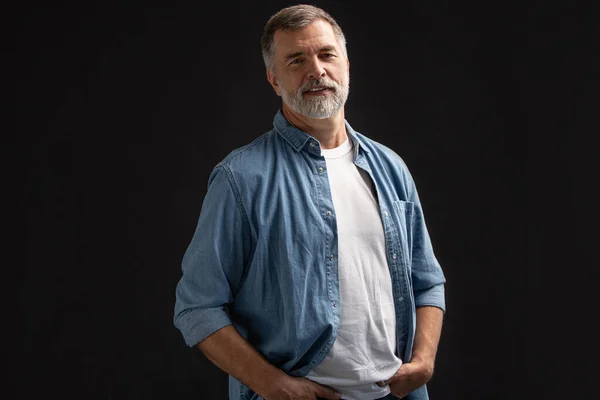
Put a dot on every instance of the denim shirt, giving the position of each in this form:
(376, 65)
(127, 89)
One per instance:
(264, 254)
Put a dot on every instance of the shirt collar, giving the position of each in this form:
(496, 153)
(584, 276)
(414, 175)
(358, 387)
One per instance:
(298, 139)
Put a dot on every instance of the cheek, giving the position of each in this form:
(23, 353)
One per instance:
(293, 85)
(338, 75)
(286, 83)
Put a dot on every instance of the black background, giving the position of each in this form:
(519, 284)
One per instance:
(123, 109)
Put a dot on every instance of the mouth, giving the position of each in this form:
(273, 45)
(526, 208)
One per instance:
(320, 90)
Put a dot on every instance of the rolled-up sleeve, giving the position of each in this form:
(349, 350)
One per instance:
(427, 275)
(213, 264)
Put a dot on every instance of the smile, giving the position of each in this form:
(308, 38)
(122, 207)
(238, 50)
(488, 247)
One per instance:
(317, 90)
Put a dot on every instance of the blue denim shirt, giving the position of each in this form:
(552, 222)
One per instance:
(264, 253)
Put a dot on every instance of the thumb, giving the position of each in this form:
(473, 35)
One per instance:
(386, 382)
(326, 392)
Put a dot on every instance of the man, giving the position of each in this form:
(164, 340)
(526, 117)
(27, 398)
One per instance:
(311, 273)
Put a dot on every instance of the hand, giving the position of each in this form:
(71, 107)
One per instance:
(409, 377)
(293, 388)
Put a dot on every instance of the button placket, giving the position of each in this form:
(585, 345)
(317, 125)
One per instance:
(328, 215)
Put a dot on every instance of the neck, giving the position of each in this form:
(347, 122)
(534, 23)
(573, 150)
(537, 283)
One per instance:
(330, 132)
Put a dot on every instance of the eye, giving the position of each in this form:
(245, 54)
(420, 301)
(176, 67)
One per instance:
(296, 61)
(327, 55)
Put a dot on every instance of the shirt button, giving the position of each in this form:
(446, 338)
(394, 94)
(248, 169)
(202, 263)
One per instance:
(312, 144)
(331, 257)
(400, 298)
(385, 213)
(328, 213)
(394, 256)
(334, 304)
(320, 169)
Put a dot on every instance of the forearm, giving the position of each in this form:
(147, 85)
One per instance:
(229, 351)
(427, 335)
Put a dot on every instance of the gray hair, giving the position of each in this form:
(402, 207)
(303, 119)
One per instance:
(290, 19)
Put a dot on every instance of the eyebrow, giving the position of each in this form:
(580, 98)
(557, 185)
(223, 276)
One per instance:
(299, 53)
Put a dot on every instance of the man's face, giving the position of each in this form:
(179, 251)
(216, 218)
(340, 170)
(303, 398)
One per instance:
(311, 73)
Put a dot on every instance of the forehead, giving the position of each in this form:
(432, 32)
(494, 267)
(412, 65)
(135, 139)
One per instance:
(317, 34)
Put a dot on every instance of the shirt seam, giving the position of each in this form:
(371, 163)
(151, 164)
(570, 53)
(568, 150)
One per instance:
(236, 194)
(226, 162)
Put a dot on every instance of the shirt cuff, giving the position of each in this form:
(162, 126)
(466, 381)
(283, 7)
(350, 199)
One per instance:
(197, 324)
(434, 296)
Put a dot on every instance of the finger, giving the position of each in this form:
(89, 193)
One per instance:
(326, 392)
(386, 382)
(398, 375)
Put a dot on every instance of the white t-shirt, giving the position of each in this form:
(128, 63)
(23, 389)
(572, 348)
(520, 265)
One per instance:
(364, 350)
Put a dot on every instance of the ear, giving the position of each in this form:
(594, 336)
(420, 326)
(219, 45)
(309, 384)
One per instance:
(273, 81)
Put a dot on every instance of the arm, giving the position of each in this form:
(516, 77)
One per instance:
(229, 351)
(213, 266)
(427, 337)
(213, 263)
(416, 373)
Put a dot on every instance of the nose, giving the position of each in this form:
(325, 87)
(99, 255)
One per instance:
(316, 70)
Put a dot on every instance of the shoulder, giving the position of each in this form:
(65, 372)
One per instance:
(244, 161)
(246, 154)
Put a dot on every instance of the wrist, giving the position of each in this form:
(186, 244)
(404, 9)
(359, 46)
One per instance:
(270, 382)
(426, 362)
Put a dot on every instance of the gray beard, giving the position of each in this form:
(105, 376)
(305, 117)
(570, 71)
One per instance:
(318, 107)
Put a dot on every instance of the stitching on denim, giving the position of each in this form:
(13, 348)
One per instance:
(238, 199)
